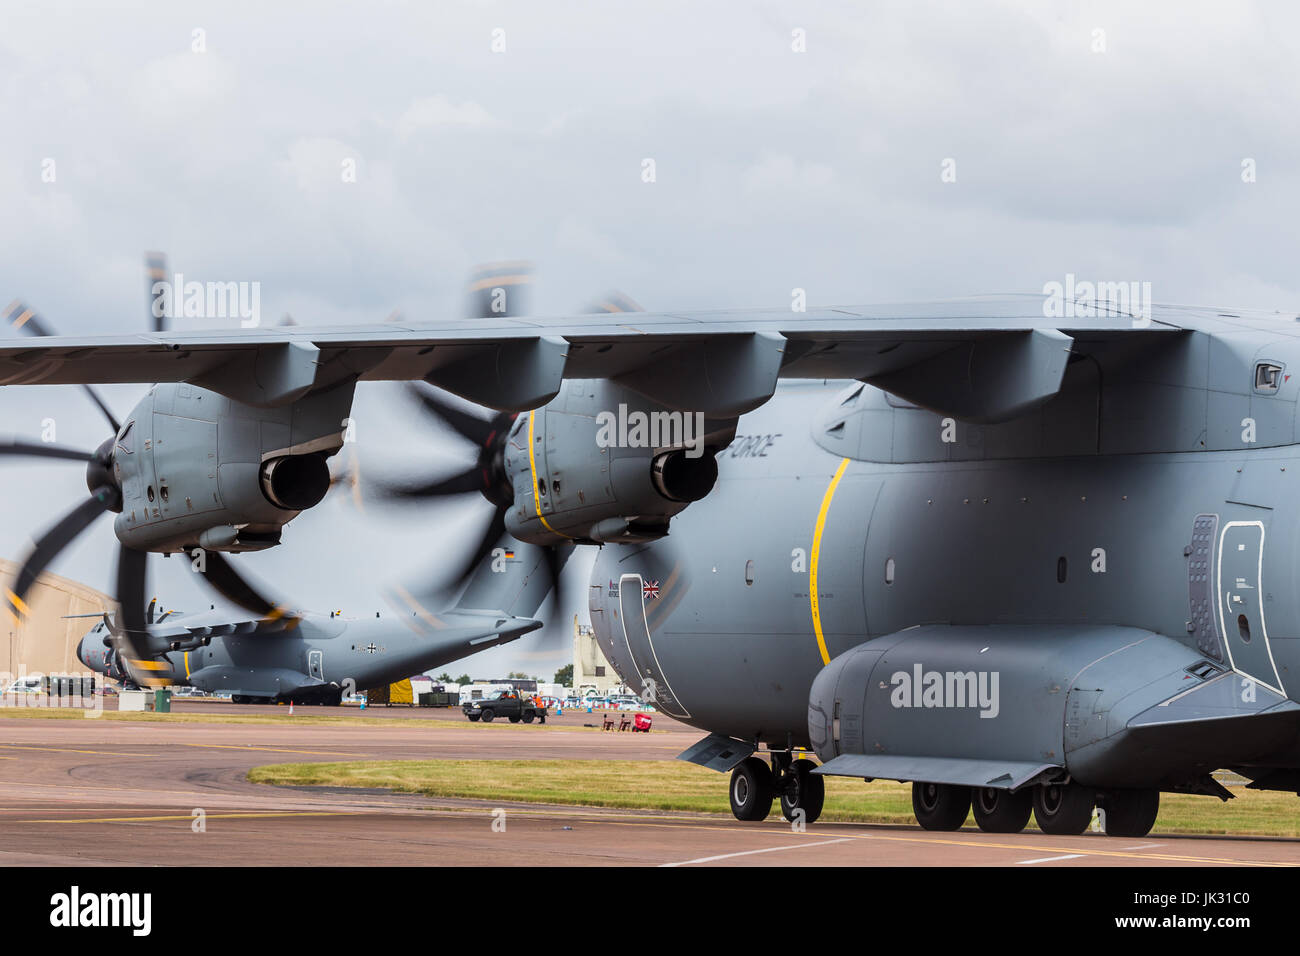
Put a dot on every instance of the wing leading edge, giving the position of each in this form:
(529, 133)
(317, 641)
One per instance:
(981, 359)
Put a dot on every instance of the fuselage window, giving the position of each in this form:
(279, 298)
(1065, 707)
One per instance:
(749, 573)
(1243, 628)
(1062, 566)
(889, 571)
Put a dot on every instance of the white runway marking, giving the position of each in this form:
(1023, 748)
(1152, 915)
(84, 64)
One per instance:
(1050, 859)
(771, 849)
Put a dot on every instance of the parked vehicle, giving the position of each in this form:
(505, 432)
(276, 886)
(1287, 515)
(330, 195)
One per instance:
(503, 703)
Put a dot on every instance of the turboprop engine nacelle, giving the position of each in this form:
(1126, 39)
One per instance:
(197, 469)
(601, 463)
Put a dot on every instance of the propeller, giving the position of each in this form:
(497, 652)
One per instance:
(131, 633)
(489, 287)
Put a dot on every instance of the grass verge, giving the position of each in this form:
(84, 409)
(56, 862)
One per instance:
(673, 785)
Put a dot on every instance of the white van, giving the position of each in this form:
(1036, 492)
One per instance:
(23, 685)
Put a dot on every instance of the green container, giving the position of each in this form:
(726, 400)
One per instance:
(162, 701)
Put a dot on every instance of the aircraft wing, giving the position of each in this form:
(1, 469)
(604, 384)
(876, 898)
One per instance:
(983, 359)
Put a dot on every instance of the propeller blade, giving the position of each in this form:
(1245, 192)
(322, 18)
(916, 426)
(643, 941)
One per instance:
(495, 529)
(614, 301)
(131, 570)
(497, 289)
(231, 585)
(468, 481)
(470, 427)
(21, 317)
(36, 449)
(555, 560)
(135, 652)
(50, 544)
(155, 271)
(149, 614)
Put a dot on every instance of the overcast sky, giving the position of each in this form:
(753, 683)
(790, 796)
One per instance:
(1108, 140)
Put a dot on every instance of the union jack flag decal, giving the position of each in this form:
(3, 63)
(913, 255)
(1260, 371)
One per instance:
(650, 589)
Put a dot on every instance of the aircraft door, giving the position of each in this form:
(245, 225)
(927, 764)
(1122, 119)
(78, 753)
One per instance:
(1241, 602)
(640, 646)
(316, 664)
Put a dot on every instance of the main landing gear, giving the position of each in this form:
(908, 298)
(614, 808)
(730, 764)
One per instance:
(755, 786)
(1061, 809)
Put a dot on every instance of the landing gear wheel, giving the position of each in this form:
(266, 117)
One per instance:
(1063, 809)
(1001, 811)
(528, 718)
(514, 718)
(801, 789)
(940, 806)
(752, 790)
(1130, 813)
(487, 716)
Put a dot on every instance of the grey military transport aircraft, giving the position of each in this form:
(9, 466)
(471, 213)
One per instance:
(316, 658)
(1027, 559)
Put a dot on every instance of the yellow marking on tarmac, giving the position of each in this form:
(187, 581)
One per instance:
(278, 750)
(979, 844)
(816, 553)
(251, 814)
(532, 465)
(65, 750)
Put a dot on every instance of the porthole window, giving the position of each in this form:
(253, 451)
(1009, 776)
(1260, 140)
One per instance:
(749, 573)
(1243, 628)
(149, 492)
(1062, 566)
(889, 571)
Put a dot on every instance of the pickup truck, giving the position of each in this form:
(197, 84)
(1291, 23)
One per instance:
(503, 703)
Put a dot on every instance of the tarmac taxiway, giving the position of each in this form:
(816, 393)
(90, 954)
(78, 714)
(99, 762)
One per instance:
(114, 792)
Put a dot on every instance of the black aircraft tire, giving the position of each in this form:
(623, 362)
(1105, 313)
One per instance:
(1130, 813)
(752, 790)
(801, 789)
(940, 806)
(487, 716)
(1001, 811)
(1063, 809)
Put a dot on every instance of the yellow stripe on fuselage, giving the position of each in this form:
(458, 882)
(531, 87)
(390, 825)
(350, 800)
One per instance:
(816, 553)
